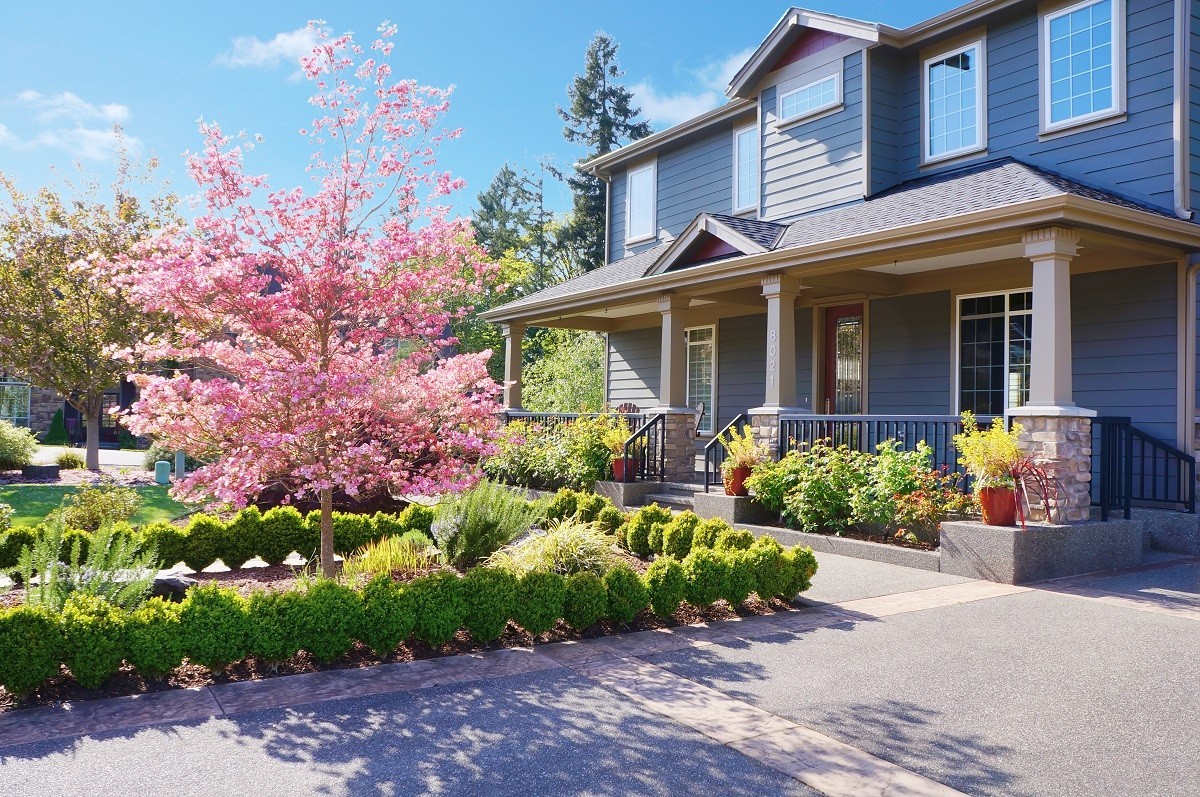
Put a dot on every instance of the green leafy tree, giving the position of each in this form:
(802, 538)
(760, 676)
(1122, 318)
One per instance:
(567, 375)
(63, 320)
(601, 117)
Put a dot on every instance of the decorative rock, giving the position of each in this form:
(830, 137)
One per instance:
(40, 472)
(172, 587)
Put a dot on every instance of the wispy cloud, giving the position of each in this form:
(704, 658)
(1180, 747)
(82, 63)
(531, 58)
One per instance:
(285, 47)
(708, 91)
(67, 122)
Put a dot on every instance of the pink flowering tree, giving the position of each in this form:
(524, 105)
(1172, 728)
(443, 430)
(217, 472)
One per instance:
(320, 316)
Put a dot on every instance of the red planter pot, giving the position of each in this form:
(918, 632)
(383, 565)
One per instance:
(998, 506)
(735, 481)
(624, 470)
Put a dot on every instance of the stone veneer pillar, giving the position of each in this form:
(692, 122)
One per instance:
(679, 439)
(1056, 433)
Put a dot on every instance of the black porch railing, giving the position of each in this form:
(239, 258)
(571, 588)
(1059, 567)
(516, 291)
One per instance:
(646, 448)
(714, 454)
(866, 432)
(1131, 467)
(551, 419)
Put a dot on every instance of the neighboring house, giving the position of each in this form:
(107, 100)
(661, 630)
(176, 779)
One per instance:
(990, 210)
(33, 407)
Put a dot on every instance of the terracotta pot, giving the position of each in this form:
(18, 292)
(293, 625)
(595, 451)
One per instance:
(735, 481)
(624, 470)
(998, 505)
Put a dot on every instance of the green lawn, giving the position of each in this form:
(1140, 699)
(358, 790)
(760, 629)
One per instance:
(31, 503)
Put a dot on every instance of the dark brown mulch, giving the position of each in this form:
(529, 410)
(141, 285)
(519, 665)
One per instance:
(127, 681)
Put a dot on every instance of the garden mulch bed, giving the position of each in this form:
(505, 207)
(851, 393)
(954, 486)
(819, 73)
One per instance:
(127, 681)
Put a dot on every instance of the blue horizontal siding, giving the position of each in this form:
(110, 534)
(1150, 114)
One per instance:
(634, 365)
(909, 360)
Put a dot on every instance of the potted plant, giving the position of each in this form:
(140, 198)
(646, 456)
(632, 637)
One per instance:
(624, 469)
(742, 453)
(992, 457)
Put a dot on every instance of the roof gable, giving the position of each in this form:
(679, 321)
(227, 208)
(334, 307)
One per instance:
(713, 236)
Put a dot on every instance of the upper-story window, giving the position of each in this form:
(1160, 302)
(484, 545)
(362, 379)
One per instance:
(745, 169)
(810, 99)
(641, 202)
(1082, 63)
(952, 113)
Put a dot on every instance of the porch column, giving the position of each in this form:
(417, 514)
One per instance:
(1056, 433)
(780, 293)
(679, 437)
(514, 335)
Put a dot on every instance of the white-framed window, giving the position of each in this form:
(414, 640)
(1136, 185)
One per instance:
(994, 349)
(810, 98)
(14, 401)
(1083, 63)
(640, 202)
(702, 373)
(745, 169)
(953, 118)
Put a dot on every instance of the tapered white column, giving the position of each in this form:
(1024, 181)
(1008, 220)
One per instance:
(672, 390)
(780, 293)
(1051, 251)
(514, 335)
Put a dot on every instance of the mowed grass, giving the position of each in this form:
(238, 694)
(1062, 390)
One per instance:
(31, 503)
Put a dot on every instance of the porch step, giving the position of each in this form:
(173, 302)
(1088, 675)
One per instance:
(675, 501)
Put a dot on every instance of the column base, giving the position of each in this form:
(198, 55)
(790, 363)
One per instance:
(679, 440)
(1059, 439)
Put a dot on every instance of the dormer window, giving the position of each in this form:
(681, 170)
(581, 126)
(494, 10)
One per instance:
(810, 99)
(1083, 64)
(640, 210)
(952, 111)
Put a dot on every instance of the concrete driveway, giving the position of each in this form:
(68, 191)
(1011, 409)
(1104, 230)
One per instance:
(46, 455)
(890, 682)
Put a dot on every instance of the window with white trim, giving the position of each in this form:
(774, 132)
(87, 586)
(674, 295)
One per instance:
(994, 348)
(1082, 63)
(952, 113)
(701, 373)
(640, 204)
(745, 169)
(810, 99)
(14, 401)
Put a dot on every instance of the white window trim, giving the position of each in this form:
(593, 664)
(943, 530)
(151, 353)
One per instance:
(980, 45)
(19, 383)
(710, 412)
(753, 130)
(1118, 64)
(955, 343)
(652, 167)
(791, 120)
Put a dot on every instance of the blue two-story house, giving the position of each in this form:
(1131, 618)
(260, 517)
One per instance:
(991, 210)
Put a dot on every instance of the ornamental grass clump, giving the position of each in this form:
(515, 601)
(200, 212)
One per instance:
(411, 552)
(566, 547)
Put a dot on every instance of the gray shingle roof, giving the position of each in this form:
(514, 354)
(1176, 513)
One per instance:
(980, 187)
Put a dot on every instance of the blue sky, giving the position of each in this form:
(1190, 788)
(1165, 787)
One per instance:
(73, 69)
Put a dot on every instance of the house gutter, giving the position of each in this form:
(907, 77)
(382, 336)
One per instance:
(1180, 110)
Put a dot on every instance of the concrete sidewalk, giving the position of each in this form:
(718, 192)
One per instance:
(893, 681)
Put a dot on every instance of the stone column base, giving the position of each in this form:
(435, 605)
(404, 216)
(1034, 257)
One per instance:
(1060, 440)
(764, 425)
(679, 441)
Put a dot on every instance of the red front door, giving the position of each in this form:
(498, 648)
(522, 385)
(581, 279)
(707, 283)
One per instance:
(843, 382)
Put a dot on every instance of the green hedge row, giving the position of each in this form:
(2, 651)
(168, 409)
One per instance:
(215, 626)
(272, 535)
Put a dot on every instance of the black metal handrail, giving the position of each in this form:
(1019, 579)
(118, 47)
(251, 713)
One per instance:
(647, 448)
(1131, 466)
(550, 420)
(866, 432)
(714, 454)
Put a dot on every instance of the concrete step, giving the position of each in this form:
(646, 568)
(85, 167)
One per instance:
(685, 489)
(669, 501)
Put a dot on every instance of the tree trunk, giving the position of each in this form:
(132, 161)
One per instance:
(328, 563)
(92, 458)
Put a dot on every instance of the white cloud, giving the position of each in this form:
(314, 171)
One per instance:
(287, 47)
(67, 122)
(709, 82)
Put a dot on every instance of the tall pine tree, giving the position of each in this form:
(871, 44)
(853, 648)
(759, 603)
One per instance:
(601, 118)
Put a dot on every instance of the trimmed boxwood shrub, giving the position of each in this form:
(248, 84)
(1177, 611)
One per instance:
(667, 586)
(490, 595)
(640, 526)
(439, 607)
(242, 537)
(610, 519)
(94, 638)
(11, 545)
(734, 540)
(627, 595)
(388, 614)
(539, 601)
(801, 566)
(33, 647)
(563, 504)
(739, 579)
(705, 535)
(169, 542)
(205, 536)
(586, 600)
(75, 544)
(282, 532)
(275, 623)
(330, 613)
(351, 532)
(677, 535)
(153, 639)
(765, 559)
(416, 516)
(707, 576)
(388, 525)
(215, 626)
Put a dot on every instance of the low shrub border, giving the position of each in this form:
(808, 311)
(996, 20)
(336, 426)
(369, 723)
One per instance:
(216, 627)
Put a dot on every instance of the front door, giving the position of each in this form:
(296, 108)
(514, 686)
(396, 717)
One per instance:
(843, 384)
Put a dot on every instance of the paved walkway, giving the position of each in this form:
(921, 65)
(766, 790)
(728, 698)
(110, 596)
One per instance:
(126, 458)
(889, 682)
